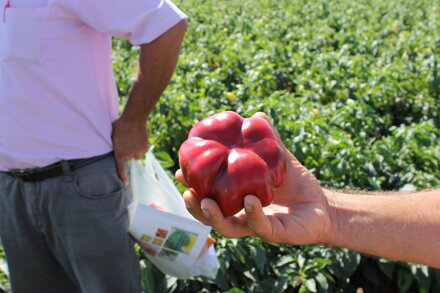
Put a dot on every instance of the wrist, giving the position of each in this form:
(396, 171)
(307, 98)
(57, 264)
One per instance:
(334, 214)
(133, 121)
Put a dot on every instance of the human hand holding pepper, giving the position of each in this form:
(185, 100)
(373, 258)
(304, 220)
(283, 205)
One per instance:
(394, 225)
(299, 213)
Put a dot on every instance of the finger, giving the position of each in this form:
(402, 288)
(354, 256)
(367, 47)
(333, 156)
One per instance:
(265, 117)
(120, 165)
(181, 178)
(277, 134)
(262, 115)
(231, 227)
(192, 204)
(141, 150)
(257, 220)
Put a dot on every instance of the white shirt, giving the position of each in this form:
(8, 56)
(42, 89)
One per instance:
(58, 96)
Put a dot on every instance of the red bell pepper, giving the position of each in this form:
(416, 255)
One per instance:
(227, 157)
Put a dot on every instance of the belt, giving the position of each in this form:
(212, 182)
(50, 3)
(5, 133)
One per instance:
(57, 169)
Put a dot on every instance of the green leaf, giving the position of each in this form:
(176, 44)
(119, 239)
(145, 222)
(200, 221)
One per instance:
(147, 277)
(311, 285)
(164, 159)
(408, 188)
(279, 285)
(371, 274)
(387, 267)
(235, 290)
(404, 280)
(250, 276)
(301, 260)
(260, 259)
(284, 260)
(322, 281)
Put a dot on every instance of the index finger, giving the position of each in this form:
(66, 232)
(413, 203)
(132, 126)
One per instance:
(181, 178)
(231, 227)
(208, 212)
(120, 165)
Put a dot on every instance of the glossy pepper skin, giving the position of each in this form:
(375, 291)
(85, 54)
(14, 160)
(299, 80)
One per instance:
(227, 157)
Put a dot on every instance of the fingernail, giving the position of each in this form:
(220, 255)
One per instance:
(205, 211)
(248, 207)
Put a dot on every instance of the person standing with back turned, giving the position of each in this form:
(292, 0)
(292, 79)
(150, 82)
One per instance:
(63, 181)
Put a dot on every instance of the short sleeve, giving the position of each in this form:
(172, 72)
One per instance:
(140, 21)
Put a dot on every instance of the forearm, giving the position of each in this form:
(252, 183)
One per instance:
(157, 62)
(404, 226)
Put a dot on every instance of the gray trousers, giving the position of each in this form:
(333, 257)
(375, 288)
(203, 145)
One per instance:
(69, 233)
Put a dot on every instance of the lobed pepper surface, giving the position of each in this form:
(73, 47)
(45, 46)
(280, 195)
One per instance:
(227, 157)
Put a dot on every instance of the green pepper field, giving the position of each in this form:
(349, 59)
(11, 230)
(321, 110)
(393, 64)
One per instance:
(353, 87)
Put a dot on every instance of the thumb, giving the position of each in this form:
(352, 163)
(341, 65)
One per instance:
(257, 220)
